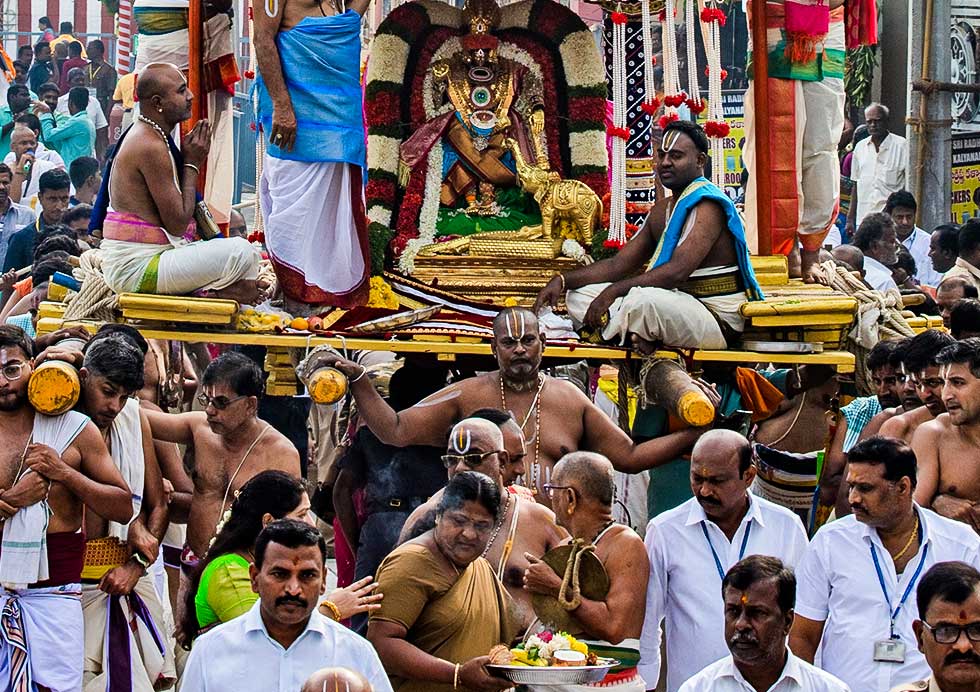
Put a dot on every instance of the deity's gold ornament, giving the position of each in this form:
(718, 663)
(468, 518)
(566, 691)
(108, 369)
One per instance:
(560, 200)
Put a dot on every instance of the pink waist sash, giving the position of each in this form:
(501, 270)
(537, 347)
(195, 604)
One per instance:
(130, 228)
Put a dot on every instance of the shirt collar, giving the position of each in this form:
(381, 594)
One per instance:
(872, 534)
(696, 513)
(875, 264)
(960, 262)
(792, 670)
(254, 623)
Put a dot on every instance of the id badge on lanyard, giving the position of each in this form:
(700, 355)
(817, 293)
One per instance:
(892, 650)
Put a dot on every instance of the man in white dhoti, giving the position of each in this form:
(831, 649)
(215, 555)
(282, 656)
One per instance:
(686, 272)
(582, 490)
(150, 186)
(312, 194)
(122, 610)
(50, 468)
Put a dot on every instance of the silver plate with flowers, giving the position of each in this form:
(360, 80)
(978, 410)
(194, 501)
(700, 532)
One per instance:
(554, 675)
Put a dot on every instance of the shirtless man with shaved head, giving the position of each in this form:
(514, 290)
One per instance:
(152, 190)
(555, 416)
(477, 444)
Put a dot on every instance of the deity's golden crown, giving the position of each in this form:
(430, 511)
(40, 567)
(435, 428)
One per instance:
(482, 16)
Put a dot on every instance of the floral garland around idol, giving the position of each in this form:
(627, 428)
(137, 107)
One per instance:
(716, 127)
(620, 135)
(409, 37)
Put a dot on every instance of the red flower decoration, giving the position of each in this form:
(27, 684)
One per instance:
(545, 636)
(713, 14)
(613, 244)
(717, 128)
(675, 100)
(631, 228)
(618, 18)
(251, 126)
(650, 108)
(696, 106)
(249, 74)
(256, 237)
(666, 120)
(724, 74)
(622, 132)
(653, 60)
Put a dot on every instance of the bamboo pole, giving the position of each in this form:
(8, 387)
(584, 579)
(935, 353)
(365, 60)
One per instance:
(760, 99)
(923, 111)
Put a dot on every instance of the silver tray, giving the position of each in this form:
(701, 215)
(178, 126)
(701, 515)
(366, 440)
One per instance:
(782, 346)
(554, 675)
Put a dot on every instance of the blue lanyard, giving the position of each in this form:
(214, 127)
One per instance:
(908, 589)
(741, 552)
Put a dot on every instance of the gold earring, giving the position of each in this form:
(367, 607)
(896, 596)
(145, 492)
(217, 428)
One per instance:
(569, 511)
(159, 110)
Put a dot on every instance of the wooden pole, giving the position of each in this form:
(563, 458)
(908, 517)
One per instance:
(760, 101)
(195, 71)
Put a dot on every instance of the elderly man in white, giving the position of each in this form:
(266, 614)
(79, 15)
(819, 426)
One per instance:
(691, 544)
(758, 594)
(858, 577)
(283, 639)
(877, 167)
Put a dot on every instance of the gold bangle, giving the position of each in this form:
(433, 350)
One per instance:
(334, 610)
(561, 277)
(191, 165)
(456, 677)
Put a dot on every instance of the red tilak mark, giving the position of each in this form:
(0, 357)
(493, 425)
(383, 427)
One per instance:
(962, 615)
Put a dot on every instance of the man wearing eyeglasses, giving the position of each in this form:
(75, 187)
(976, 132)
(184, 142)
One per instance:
(948, 629)
(524, 526)
(231, 444)
(919, 363)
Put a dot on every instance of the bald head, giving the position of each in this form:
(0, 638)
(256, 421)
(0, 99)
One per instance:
(513, 322)
(590, 473)
(336, 680)
(724, 446)
(162, 90)
(473, 435)
(850, 256)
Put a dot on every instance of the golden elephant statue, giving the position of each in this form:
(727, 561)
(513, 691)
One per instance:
(559, 200)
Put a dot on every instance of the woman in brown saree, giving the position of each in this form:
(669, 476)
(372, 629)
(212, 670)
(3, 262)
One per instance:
(444, 608)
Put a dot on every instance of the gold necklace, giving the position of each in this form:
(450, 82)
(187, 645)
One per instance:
(908, 543)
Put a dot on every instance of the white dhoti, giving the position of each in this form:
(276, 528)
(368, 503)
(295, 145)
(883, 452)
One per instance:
(136, 638)
(669, 316)
(49, 628)
(204, 265)
(314, 212)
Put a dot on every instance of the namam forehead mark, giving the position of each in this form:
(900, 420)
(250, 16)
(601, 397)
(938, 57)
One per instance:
(462, 440)
(516, 324)
(670, 141)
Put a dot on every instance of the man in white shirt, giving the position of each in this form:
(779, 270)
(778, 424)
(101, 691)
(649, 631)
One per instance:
(759, 593)
(901, 207)
(876, 238)
(41, 153)
(877, 167)
(283, 639)
(13, 216)
(28, 170)
(967, 262)
(691, 547)
(857, 576)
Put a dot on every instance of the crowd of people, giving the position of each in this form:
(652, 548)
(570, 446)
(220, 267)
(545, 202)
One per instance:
(453, 502)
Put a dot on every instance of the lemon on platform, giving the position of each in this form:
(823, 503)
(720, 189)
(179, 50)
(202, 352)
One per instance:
(300, 324)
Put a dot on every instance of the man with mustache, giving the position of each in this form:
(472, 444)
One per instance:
(284, 638)
(688, 545)
(948, 629)
(950, 486)
(857, 574)
(759, 593)
(555, 416)
(904, 390)
(921, 372)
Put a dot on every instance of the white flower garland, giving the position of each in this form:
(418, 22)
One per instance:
(649, 78)
(583, 64)
(429, 213)
(617, 202)
(692, 21)
(672, 79)
(389, 57)
(716, 109)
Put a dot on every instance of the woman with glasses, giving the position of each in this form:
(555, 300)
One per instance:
(221, 588)
(444, 607)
